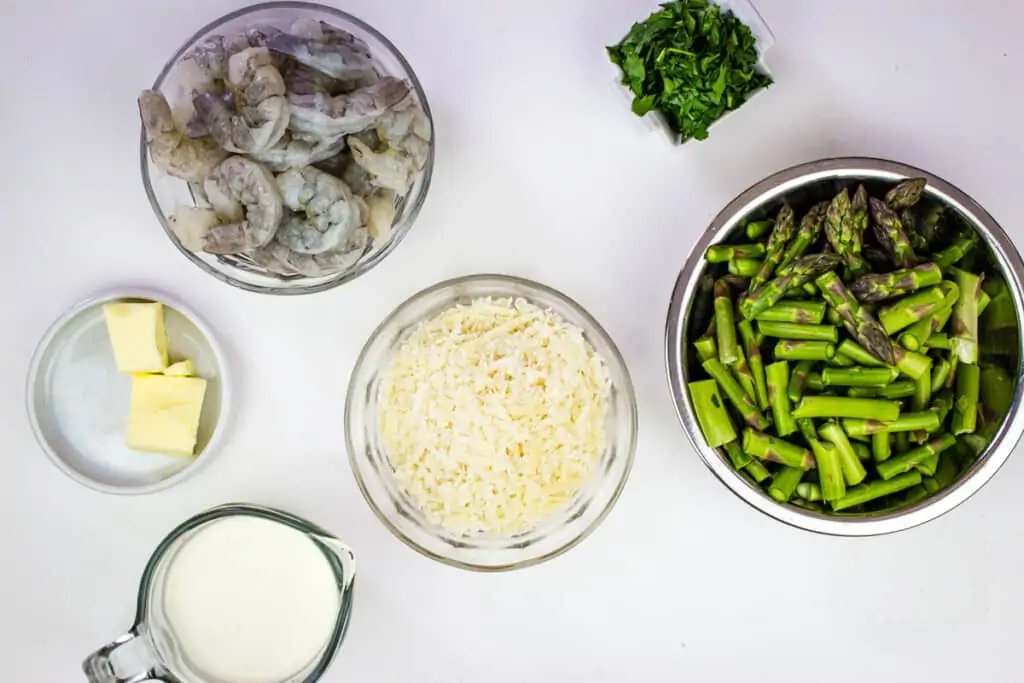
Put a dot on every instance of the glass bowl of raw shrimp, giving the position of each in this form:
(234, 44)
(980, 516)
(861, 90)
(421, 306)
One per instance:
(380, 210)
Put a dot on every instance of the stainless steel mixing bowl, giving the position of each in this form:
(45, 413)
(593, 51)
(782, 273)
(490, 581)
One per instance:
(686, 320)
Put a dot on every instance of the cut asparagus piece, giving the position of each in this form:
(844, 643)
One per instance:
(901, 389)
(752, 347)
(899, 464)
(858, 377)
(853, 470)
(737, 456)
(964, 322)
(720, 253)
(734, 392)
(778, 383)
(757, 229)
(789, 311)
(797, 331)
(881, 446)
(744, 267)
(804, 350)
(861, 324)
(774, 449)
(830, 472)
(876, 489)
(889, 233)
(881, 286)
(965, 408)
(798, 379)
(927, 420)
(839, 406)
(782, 233)
(801, 272)
(910, 309)
(725, 324)
(784, 483)
(711, 413)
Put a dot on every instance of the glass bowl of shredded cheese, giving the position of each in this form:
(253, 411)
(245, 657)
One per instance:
(490, 422)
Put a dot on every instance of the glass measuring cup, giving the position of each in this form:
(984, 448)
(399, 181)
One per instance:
(149, 650)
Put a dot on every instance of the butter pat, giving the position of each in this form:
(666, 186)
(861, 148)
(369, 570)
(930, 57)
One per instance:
(164, 414)
(185, 368)
(137, 334)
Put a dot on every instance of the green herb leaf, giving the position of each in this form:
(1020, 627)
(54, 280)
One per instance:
(692, 62)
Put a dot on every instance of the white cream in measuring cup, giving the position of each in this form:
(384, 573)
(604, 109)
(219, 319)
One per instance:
(239, 594)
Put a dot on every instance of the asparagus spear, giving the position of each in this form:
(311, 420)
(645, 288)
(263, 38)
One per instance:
(876, 489)
(801, 272)
(782, 233)
(910, 309)
(711, 413)
(757, 471)
(853, 470)
(745, 376)
(838, 406)
(911, 363)
(889, 233)
(898, 464)
(859, 354)
(758, 229)
(917, 335)
(756, 362)
(784, 484)
(744, 267)
(734, 392)
(774, 449)
(725, 324)
(737, 456)
(830, 472)
(927, 420)
(798, 379)
(956, 251)
(859, 323)
(798, 331)
(804, 350)
(881, 446)
(778, 382)
(906, 194)
(901, 389)
(804, 312)
(879, 287)
(720, 253)
(858, 377)
(965, 409)
(965, 317)
(810, 228)
(843, 230)
(909, 220)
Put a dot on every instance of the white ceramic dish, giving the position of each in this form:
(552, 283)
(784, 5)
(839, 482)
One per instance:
(78, 402)
(744, 10)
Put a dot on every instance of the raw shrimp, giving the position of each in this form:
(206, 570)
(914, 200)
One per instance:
(332, 55)
(327, 214)
(278, 258)
(323, 32)
(261, 115)
(324, 116)
(389, 169)
(406, 128)
(211, 55)
(380, 216)
(169, 148)
(247, 203)
(290, 152)
(302, 80)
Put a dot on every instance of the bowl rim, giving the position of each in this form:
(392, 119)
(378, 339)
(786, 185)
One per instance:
(777, 185)
(397, 236)
(626, 389)
(217, 438)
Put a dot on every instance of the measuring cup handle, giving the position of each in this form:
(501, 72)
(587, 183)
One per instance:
(129, 659)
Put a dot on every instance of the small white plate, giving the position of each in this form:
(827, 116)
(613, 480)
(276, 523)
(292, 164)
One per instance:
(78, 401)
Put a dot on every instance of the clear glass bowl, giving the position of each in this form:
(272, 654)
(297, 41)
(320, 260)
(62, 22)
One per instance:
(401, 516)
(166, 192)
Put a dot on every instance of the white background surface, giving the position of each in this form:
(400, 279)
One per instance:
(542, 172)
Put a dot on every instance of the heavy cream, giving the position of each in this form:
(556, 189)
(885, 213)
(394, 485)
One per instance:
(250, 600)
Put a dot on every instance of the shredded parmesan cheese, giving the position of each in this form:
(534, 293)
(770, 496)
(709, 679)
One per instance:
(492, 415)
